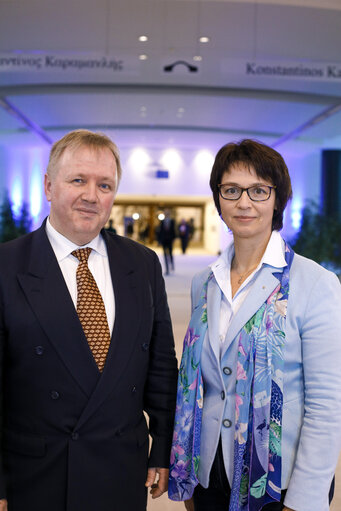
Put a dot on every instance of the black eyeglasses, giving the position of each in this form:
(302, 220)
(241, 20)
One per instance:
(257, 193)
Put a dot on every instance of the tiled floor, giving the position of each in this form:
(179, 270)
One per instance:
(178, 290)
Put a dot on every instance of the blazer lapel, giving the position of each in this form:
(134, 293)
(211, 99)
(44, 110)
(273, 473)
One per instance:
(128, 308)
(265, 283)
(50, 300)
(213, 315)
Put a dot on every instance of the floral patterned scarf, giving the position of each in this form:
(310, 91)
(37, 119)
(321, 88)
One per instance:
(259, 402)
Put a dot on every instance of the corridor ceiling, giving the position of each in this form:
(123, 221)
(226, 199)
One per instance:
(269, 70)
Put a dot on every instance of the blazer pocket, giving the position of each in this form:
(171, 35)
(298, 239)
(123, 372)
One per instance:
(24, 444)
(136, 435)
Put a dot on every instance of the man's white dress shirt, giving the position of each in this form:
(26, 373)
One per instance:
(98, 265)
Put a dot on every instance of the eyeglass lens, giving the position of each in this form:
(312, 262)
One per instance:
(256, 193)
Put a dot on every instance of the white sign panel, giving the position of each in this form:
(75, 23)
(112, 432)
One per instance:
(67, 63)
(283, 70)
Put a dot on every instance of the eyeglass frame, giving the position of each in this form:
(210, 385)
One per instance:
(247, 191)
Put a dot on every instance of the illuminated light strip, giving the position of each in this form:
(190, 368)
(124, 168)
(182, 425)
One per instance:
(325, 114)
(32, 126)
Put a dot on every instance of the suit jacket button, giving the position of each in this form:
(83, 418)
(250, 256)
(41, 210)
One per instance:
(227, 423)
(74, 435)
(227, 370)
(145, 346)
(39, 350)
(222, 395)
(54, 394)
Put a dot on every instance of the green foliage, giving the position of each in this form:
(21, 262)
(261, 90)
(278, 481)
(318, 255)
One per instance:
(10, 227)
(319, 238)
(24, 222)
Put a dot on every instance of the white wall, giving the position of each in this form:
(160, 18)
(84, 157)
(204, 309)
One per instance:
(23, 168)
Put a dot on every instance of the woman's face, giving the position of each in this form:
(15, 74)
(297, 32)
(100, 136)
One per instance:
(244, 217)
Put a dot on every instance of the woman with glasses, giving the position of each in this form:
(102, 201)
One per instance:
(258, 415)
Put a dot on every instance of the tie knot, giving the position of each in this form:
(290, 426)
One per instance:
(82, 254)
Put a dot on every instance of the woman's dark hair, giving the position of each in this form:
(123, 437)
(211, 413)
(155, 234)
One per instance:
(268, 164)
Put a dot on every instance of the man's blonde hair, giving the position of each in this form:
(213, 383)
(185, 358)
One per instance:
(82, 138)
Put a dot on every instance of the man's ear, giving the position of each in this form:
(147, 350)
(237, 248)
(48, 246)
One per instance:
(47, 186)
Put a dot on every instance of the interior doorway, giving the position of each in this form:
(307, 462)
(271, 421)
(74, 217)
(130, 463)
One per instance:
(139, 218)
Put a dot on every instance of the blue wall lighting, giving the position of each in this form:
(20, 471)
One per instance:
(36, 191)
(296, 214)
(37, 163)
(16, 195)
(162, 174)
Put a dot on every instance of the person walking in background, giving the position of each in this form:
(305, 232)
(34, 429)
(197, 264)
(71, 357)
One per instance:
(130, 229)
(184, 233)
(166, 236)
(144, 232)
(257, 425)
(111, 227)
(191, 228)
(86, 347)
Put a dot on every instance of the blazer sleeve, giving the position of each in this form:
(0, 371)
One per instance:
(320, 437)
(160, 389)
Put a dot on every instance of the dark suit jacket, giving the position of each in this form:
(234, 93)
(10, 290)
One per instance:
(74, 439)
(167, 231)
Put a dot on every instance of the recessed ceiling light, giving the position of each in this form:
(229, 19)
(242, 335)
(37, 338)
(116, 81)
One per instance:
(197, 58)
(204, 39)
(143, 108)
(180, 112)
(143, 57)
(143, 38)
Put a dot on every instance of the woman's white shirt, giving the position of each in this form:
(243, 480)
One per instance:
(221, 268)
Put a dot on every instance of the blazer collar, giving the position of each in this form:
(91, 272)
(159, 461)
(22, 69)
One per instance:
(263, 286)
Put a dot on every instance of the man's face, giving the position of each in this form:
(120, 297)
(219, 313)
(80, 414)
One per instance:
(82, 190)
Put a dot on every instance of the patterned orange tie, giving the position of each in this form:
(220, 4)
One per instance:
(91, 310)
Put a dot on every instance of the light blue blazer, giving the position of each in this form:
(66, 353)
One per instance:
(311, 437)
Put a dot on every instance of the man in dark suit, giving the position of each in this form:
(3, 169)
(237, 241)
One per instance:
(166, 236)
(74, 386)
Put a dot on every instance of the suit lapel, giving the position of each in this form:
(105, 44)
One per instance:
(126, 325)
(50, 300)
(263, 286)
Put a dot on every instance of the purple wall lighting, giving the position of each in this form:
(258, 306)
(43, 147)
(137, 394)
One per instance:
(25, 169)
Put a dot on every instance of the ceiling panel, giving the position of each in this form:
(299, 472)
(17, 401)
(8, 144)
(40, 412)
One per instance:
(301, 31)
(8, 122)
(229, 113)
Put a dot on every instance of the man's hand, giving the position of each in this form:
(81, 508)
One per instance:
(3, 505)
(284, 509)
(189, 505)
(157, 487)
